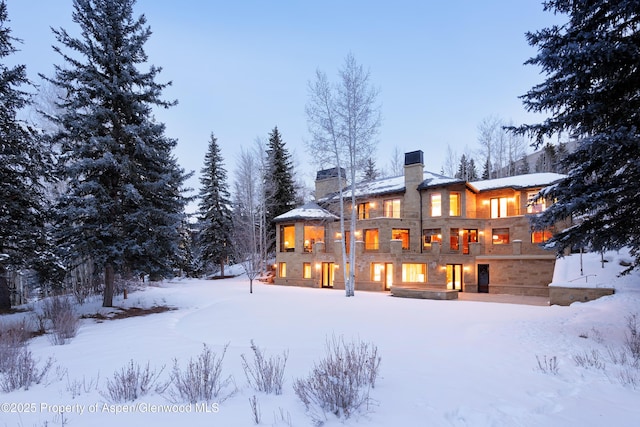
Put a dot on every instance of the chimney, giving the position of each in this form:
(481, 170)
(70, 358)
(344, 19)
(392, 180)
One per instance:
(413, 177)
(327, 182)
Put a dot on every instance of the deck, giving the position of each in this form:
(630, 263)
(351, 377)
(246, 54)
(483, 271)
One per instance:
(424, 293)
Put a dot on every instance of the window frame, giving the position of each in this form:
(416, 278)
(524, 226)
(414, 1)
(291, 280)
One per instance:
(438, 236)
(435, 208)
(395, 212)
(284, 247)
(457, 195)
(370, 233)
(500, 231)
(306, 270)
(405, 273)
(403, 231)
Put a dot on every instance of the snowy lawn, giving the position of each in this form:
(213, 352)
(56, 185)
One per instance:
(444, 363)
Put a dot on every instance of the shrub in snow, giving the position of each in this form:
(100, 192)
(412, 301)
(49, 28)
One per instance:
(591, 359)
(132, 382)
(13, 338)
(632, 338)
(340, 383)
(548, 365)
(201, 379)
(23, 372)
(263, 374)
(58, 313)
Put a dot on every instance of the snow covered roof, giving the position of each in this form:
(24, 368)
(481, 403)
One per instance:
(520, 181)
(394, 184)
(308, 211)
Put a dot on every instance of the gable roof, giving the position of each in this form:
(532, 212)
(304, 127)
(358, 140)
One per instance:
(308, 211)
(394, 184)
(519, 181)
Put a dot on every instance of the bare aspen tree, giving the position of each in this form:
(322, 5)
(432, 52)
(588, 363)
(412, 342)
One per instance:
(343, 120)
(451, 161)
(247, 223)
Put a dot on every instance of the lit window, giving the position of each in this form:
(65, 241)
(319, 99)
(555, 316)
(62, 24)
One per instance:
(391, 208)
(454, 204)
(499, 207)
(363, 210)
(282, 269)
(454, 239)
(535, 205)
(414, 273)
(312, 234)
(401, 234)
(306, 270)
(500, 236)
(377, 271)
(371, 240)
(436, 204)
(287, 238)
(431, 235)
(540, 236)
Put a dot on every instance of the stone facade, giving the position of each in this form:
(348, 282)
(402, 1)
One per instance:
(424, 230)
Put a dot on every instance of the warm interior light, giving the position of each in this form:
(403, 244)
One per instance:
(338, 235)
(318, 266)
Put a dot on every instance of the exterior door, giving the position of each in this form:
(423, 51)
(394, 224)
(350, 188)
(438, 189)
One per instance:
(327, 274)
(388, 275)
(483, 278)
(454, 276)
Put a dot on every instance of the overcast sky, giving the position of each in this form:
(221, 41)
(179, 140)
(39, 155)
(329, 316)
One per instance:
(239, 68)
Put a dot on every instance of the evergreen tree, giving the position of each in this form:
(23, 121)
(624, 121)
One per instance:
(523, 168)
(592, 92)
(280, 191)
(486, 171)
(472, 171)
(370, 171)
(22, 165)
(462, 168)
(123, 206)
(216, 224)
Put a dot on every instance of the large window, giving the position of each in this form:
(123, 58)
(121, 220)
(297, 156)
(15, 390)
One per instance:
(364, 210)
(454, 204)
(499, 207)
(500, 236)
(535, 206)
(454, 239)
(377, 271)
(436, 204)
(414, 273)
(431, 235)
(371, 239)
(540, 236)
(287, 238)
(401, 234)
(306, 270)
(391, 208)
(312, 234)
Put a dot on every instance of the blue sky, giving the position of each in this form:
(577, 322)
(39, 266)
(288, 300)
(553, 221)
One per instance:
(239, 68)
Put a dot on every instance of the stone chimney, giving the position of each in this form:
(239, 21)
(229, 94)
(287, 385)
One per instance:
(327, 182)
(413, 177)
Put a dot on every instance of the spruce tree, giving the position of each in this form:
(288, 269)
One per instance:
(216, 224)
(472, 171)
(280, 191)
(370, 171)
(22, 165)
(123, 206)
(592, 93)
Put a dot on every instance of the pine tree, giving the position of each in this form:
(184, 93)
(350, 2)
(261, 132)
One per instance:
(216, 224)
(280, 191)
(462, 168)
(486, 171)
(370, 171)
(124, 205)
(592, 92)
(472, 171)
(523, 168)
(22, 165)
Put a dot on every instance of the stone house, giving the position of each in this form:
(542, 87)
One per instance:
(421, 230)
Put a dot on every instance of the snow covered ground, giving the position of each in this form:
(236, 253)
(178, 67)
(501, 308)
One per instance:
(444, 363)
